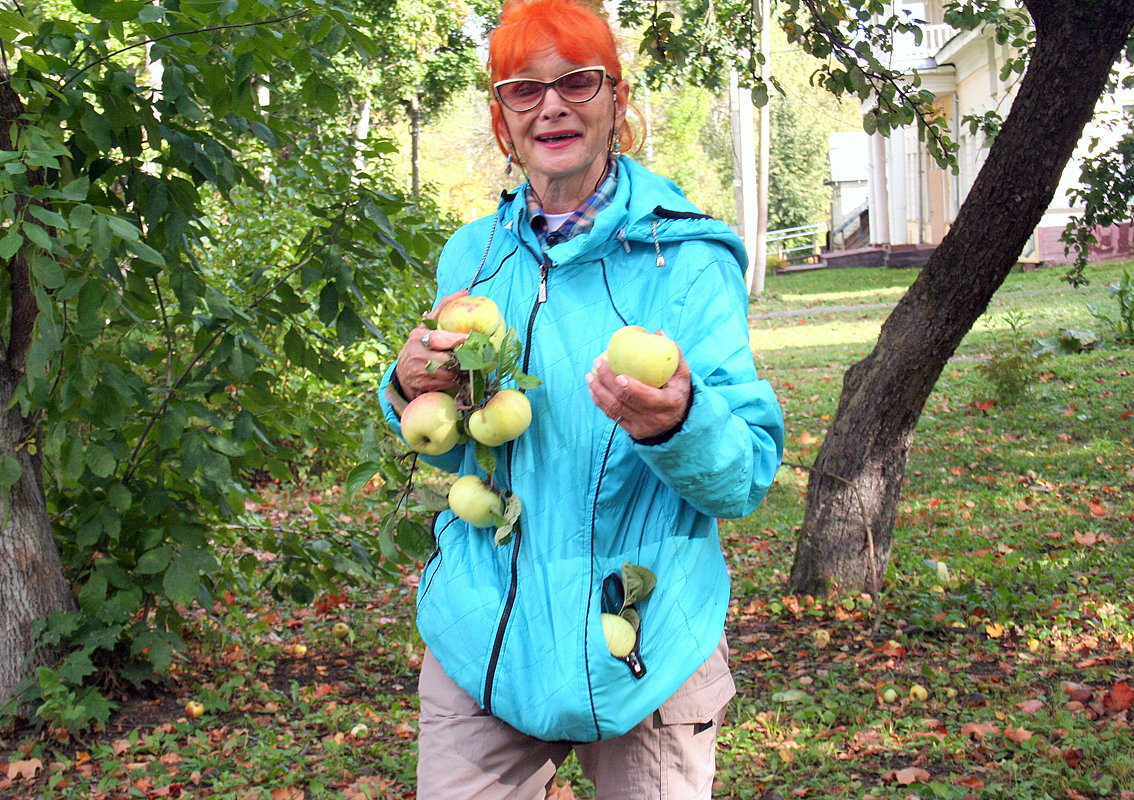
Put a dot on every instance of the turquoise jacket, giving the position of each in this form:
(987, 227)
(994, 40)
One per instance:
(518, 626)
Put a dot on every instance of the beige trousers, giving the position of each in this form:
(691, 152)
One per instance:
(467, 754)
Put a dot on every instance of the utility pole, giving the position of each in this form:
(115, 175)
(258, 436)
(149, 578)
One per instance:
(763, 17)
(751, 148)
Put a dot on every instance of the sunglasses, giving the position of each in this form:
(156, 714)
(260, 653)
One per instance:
(577, 86)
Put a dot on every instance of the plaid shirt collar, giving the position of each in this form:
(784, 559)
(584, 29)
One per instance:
(581, 220)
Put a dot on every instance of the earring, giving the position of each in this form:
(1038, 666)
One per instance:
(508, 165)
(616, 148)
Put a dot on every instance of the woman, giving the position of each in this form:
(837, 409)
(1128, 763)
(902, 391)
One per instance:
(517, 672)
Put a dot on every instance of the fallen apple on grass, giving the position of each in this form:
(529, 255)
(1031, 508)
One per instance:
(471, 500)
(503, 418)
(473, 313)
(194, 710)
(340, 630)
(652, 358)
(429, 423)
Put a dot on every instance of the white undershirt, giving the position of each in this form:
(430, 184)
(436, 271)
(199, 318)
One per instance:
(555, 221)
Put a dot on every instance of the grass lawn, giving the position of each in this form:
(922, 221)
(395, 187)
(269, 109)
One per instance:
(1009, 602)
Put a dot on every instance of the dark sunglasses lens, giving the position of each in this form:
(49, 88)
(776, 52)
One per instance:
(521, 95)
(579, 87)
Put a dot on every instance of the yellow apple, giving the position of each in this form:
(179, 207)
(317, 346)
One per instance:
(472, 313)
(503, 418)
(429, 423)
(919, 693)
(341, 630)
(475, 503)
(620, 635)
(194, 710)
(650, 357)
(890, 695)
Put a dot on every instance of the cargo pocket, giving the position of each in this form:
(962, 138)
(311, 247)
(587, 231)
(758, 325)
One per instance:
(702, 697)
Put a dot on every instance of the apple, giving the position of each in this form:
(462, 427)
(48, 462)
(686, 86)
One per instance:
(822, 638)
(360, 731)
(341, 630)
(650, 357)
(475, 503)
(194, 710)
(429, 423)
(297, 650)
(919, 693)
(890, 695)
(620, 635)
(504, 417)
(472, 313)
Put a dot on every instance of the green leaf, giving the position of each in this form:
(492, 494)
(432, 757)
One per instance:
(10, 471)
(790, 696)
(360, 476)
(637, 583)
(485, 458)
(10, 244)
(37, 234)
(512, 510)
(155, 561)
(48, 272)
(182, 581)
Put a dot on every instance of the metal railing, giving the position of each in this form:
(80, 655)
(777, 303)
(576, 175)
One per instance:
(798, 244)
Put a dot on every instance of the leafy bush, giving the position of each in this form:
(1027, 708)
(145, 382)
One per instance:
(1012, 365)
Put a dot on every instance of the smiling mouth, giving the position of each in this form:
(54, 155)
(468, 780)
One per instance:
(555, 138)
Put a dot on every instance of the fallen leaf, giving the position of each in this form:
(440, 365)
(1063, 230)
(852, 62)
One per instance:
(1087, 539)
(908, 775)
(288, 793)
(1096, 507)
(1018, 735)
(994, 630)
(564, 792)
(978, 730)
(1030, 706)
(1119, 698)
(26, 769)
(971, 782)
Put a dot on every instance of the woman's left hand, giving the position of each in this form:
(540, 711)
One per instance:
(639, 409)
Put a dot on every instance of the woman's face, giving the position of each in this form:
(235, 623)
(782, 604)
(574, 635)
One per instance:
(563, 145)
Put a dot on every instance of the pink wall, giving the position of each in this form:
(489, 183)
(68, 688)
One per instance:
(1113, 242)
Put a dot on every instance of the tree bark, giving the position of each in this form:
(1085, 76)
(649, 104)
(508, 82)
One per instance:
(853, 490)
(31, 574)
(415, 145)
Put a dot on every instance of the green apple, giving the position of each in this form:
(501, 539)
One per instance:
(620, 635)
(341, 630)
(890, 695)
(650, 357)
(919, 693)
(429, 423)
(475, 503)
(472, 313)
(504, 417)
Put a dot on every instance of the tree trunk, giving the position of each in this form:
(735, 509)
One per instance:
(31, 575)
(415, 144)
(853, 490)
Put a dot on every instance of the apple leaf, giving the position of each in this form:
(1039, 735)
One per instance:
(525, 381)
(431, 499)
(512, 509)
(485, 458)
(477, 353)
(429, 322)
(637, 583)
(360, 476)
(632, 616)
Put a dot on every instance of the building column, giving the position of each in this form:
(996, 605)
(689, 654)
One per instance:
(878, 191)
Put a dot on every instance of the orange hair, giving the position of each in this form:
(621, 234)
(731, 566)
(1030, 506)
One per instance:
(577, 33)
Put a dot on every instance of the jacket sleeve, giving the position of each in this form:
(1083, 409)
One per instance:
(450, 461)
(726, 454)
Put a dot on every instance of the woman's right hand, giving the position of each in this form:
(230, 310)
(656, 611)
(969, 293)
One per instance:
(426, 347)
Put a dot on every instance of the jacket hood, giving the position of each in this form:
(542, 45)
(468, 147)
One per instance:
(646, 209)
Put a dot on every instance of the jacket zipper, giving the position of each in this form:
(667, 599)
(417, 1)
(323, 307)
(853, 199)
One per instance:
(518, 532)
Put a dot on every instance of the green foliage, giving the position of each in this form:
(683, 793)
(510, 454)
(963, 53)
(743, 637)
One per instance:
(1121, 321)
(221, 284)
(1106, 187)
(1012, 366)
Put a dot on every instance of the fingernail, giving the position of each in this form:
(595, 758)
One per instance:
(589, 378)
(622, 380)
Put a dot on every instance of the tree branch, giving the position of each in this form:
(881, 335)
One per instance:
(209, 29)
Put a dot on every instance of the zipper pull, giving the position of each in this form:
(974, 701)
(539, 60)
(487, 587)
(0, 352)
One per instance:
(634, 661)
(543, 271)
(621, 236)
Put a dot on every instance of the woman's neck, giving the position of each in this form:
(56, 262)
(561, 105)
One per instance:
(564, 195)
